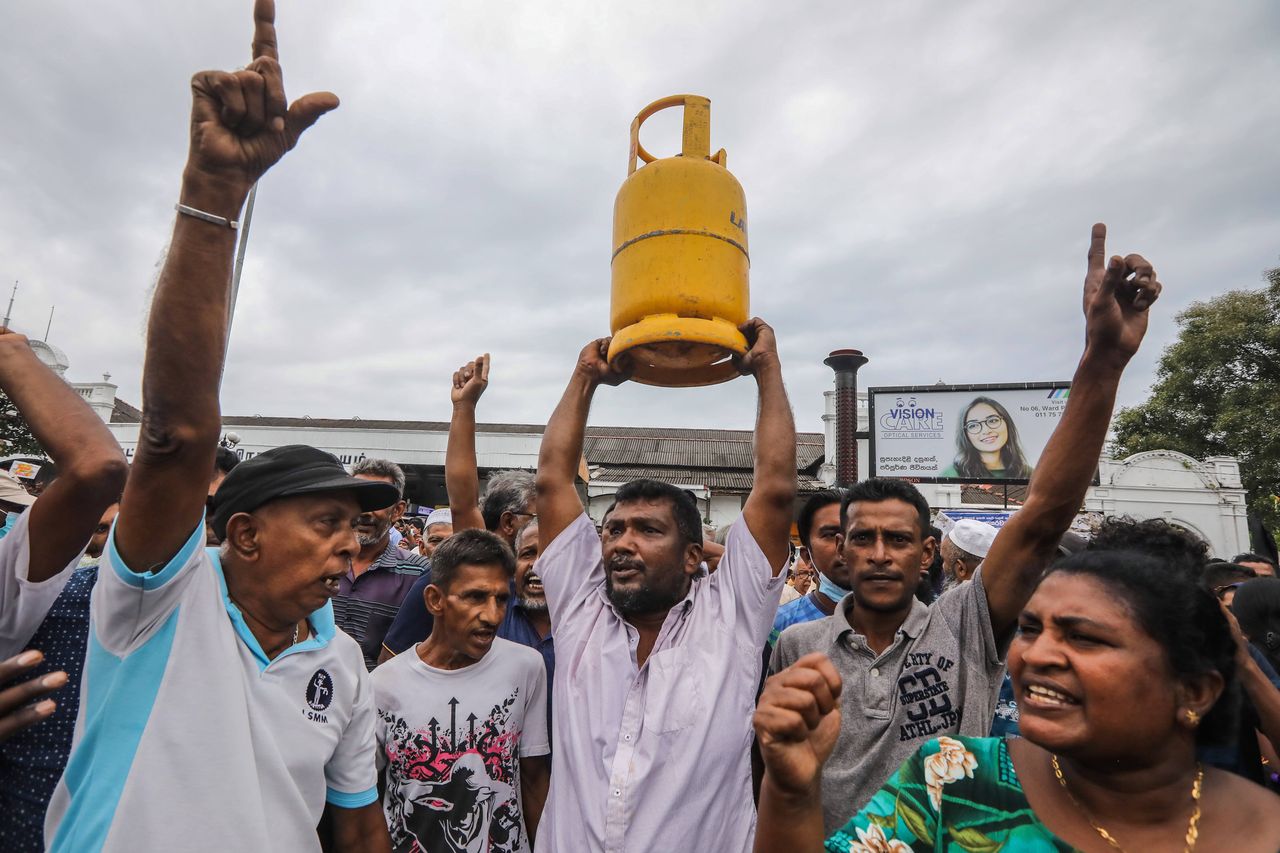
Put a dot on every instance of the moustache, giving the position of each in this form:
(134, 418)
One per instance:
(617, 564)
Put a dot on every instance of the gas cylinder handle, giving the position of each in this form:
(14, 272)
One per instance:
(696, 141)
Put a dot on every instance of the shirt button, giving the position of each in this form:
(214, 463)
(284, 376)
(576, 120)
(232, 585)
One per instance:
(626, 737)
(617, 792)
(875, 673)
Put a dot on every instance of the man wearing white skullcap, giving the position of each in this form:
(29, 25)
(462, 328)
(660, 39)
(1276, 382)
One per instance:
(963, 548)
(439, 527)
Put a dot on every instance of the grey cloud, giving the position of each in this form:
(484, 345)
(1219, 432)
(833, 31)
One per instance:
(921, 180)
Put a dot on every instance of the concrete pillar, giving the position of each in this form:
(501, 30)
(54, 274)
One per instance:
(845, 363)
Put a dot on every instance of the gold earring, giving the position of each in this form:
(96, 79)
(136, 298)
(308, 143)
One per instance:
(1193, 718)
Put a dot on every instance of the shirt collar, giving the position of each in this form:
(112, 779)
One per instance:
(912, 626)
(321, 622)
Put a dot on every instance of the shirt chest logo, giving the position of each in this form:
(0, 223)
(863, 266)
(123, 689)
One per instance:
(319, 696)
(924, 694)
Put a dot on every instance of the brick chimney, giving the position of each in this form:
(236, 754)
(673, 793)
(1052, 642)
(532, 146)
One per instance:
(845, 363)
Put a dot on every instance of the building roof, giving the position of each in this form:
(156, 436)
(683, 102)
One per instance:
(716, 480)
(717, 458)
(123, 413)
(989, 495)
(696, 448)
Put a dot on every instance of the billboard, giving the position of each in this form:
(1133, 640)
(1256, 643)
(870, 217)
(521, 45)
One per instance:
(962, 433)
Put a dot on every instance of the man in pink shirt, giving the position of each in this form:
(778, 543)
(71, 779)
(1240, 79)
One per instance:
(657, 664)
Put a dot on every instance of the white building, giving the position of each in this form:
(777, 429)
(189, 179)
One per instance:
(1204, 497)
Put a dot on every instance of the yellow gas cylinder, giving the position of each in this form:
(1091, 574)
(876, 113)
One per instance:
(679, 258)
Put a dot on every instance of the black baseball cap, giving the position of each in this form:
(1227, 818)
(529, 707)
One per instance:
(283, 472)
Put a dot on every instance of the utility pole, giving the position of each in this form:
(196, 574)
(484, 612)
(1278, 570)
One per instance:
(240, 250)
(8, 314)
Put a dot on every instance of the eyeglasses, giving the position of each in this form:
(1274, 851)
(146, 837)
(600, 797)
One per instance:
(990, 422)
(1223, 590)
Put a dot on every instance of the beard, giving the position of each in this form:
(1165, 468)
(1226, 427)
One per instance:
(643, 599)
(380, 529)
(534, 605)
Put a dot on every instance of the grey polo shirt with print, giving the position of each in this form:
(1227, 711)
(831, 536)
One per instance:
(941, 676)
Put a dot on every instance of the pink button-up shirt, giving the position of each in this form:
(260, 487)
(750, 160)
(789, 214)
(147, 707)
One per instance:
(655, 757)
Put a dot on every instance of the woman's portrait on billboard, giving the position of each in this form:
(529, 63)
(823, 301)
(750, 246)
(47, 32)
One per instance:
(987, 446)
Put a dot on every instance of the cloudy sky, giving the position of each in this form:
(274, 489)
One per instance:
(921, 179)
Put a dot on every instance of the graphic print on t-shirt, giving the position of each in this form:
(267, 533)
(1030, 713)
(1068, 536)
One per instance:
(453, 785)
(925, 694)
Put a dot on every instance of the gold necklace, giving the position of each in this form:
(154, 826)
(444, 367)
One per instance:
(1193, 828)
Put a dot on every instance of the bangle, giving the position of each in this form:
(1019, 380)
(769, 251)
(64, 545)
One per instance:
(186, 210)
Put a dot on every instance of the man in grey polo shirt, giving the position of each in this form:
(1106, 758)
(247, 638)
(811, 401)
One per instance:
(912, 673)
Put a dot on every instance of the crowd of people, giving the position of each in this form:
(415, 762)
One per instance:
(200, 653)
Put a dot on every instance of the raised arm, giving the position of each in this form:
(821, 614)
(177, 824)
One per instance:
(770, 505)
(91, 467)
(461, 476)
(1117, 294)
(241, 125)
(558, 502)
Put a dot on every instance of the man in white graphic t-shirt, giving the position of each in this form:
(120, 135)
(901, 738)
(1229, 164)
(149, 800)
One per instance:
(462, 716)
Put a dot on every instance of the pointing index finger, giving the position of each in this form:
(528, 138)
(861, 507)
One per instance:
(264, 29)
(1098, 247)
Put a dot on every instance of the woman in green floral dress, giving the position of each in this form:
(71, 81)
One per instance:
(1120, 668)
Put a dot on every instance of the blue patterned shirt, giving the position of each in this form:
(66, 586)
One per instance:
(31, 762)
(793, 613)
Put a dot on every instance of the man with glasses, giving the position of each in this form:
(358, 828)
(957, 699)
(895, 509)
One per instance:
(382, 574)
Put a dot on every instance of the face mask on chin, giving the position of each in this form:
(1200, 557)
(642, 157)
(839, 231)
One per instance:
(830, 589)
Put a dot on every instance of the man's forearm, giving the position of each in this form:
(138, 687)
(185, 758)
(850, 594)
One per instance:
(74, 437)
(1070, 457)
(533, 797)
(775, 440)
(187, 331)
(461, 476)
(562, 441)
(558, 502)
(786, 823)
(91, 466)
(166, 492)
(1029, 540)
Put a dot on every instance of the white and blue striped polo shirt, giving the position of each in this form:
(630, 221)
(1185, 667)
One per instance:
(190, 739)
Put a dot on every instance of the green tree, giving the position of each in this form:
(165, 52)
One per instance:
(1217, 392)
(15, 435)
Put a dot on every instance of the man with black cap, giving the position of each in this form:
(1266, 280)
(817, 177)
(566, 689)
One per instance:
(222, 709)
